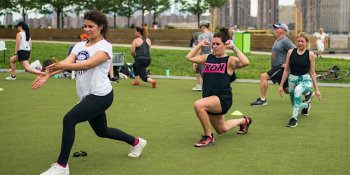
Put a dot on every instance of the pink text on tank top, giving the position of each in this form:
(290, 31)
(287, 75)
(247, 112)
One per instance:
(214, 68)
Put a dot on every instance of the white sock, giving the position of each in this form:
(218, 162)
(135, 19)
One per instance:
(263, 99)
(308, 93)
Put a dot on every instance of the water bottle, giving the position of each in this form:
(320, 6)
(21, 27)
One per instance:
(167, 73)
(73, 74)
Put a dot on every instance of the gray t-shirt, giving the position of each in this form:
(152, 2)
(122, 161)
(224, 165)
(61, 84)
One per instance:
(203, 36)
(279, 51)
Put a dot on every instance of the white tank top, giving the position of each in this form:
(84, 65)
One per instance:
(23, 44)
(95, 80)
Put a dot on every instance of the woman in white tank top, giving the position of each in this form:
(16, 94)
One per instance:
(22, 51)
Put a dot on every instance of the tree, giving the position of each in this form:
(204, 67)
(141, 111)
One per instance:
(127, 8)
(23, 6)
(196, 7)
(144, 6)
(159, 6)
(58, 6)
(6, 5)
(213, 4)
(114, 6)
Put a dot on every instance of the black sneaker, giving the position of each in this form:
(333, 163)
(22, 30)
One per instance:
(306, 110)
(309, 97)
(293, 122)
(259, 102)
(114, 80)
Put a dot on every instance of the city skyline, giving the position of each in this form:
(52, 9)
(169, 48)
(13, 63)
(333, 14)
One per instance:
(254, 10)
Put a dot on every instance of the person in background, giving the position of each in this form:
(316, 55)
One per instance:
(205, 27)
(154, 25)
(132, 26)
(22, 51)
(320, 42)
(278, 63)
(91, 59)
(140, 48)
(146, 26)
(217, 92)
(235, 29)
(300, 72)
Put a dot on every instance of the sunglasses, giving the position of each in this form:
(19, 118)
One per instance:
(216, 44)
(77, 154)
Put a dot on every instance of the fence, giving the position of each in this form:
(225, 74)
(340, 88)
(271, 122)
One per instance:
(164, 37)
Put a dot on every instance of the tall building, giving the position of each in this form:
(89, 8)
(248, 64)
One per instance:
(286, 15)
(335, 16)
(311, 14)
(8, 19)
(234, 12)
(267, 14)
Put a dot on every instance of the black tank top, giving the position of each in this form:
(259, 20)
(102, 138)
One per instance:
(142, 52)
(215, 78)
(299, 64)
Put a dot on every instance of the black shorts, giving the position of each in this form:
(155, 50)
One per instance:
(225, 102)
(276, 76)
(23, 55)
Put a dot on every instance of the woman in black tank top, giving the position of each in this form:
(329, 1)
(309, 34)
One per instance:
(140, 52)
(217, 93)
(300, 71)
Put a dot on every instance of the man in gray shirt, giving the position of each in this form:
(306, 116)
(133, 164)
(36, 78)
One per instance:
(278, 63)
(205, 27)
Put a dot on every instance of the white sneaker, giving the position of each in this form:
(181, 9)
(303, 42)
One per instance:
(197, 88)
(11, 78)
(136, 150)
(56, 169)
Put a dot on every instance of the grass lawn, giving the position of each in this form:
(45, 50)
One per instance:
(175, 60)
(31, 127)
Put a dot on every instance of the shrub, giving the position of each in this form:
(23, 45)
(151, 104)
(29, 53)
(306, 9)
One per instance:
(169, 27)
(10, 26)
(2, 26)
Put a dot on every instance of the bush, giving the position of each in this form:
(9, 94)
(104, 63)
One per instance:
(169, 27)
(2, 26)
(10, 26)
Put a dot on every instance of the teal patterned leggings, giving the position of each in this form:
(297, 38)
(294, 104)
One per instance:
(298, 85)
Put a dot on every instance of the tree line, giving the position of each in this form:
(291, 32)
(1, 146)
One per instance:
(125, 8)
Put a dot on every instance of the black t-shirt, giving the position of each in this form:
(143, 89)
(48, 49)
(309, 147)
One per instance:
(215, 78)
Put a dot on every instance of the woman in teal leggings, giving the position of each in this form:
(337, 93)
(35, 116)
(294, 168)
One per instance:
(300, 71)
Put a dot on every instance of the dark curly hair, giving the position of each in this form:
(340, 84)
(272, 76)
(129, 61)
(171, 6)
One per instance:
(100, 19)
(223, 34)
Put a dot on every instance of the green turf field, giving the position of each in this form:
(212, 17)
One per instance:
(31, 127)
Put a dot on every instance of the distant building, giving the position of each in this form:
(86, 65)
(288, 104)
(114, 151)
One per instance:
(311, 14)
(335, 16)
(267, 14)
(8, 19)
(235, 12)
(286, 15)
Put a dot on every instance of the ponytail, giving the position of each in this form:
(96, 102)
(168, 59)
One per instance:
(143, 31)
(25, 28)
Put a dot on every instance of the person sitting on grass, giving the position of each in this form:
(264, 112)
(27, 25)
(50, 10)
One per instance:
(217, 92)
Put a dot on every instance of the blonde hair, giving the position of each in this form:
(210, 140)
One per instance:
(320, 29)
(305, 36)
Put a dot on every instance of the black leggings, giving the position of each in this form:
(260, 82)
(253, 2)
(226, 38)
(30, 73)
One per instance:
(140, 68)
(91, 108)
